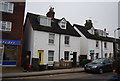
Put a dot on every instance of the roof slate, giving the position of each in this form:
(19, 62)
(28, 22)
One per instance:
(84, 31)
(54, 26)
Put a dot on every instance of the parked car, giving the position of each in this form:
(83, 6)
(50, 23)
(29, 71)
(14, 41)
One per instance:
(99, 65)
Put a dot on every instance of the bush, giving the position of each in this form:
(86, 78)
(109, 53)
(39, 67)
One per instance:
(84, 61)
(117, 54)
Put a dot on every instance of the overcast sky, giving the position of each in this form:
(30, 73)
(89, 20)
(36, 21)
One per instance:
(103, 14)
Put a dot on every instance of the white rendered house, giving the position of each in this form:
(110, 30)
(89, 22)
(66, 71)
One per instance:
(94, 43)
(50, 40)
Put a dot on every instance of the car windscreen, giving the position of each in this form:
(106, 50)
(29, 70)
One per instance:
(98, 61)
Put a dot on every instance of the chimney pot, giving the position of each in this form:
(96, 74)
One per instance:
(51, 13)
(88, 24)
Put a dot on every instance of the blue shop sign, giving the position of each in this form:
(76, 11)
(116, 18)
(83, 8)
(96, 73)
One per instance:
(8, 63)
(10, 42)
(11, 63)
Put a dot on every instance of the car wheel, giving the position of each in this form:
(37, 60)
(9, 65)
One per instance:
(100, 70)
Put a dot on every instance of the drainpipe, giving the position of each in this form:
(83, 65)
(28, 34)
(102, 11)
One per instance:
(101, 49)
(31, 57)
(59, 45)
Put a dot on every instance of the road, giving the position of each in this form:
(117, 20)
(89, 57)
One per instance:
(82, 76)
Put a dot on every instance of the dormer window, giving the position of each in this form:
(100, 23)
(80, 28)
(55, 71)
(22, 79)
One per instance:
(62, 23)
(91, 31)
(45, 21)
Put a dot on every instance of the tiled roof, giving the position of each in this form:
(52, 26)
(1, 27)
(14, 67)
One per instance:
(85, 32)
(54, 26)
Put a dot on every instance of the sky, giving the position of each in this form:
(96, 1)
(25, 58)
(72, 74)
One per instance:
(104, 14)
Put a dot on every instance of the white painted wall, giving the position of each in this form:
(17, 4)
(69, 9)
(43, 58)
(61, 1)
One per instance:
(108, 50)
(92, 46)
(89, 44)
(28, 37)
(73, 47)
(83, 43)
(38, 40)
(41, 43)
(118, 19)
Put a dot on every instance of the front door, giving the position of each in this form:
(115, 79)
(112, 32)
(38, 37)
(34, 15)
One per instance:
(74, 58)
(92, 56)
(41, 56)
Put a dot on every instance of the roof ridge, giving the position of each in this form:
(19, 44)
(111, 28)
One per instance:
(85, 32)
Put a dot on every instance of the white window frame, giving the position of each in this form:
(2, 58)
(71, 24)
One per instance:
(8, 8)
(47, 21)
(66, 58)
(51, 57)
(67, 41)
(51, 38)
(8, 25)
(62, 23)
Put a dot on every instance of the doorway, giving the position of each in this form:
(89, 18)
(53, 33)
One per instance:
(92, 56)
(41, 56)
(1, 54)
(9, 55)
(74, 58)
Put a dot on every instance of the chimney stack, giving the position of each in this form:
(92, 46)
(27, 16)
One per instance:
(88, 24)
(105, 29)
(51, 13)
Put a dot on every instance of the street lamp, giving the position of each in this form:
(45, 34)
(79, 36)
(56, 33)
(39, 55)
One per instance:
(115, 41)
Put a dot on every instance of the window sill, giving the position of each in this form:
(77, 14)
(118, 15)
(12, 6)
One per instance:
(66, 45)
(66, 61)
(51, 44)
(50, 62)
(9, 12)
(106, 49)
(97, 47)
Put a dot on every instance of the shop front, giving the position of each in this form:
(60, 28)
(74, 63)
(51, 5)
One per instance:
(8, 52)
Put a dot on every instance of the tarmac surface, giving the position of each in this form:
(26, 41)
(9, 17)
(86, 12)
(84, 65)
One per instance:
(19, 73)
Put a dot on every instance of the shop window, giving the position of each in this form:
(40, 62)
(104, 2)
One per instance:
(9, 53)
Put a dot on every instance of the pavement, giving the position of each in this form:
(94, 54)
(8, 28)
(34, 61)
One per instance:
(40, 73)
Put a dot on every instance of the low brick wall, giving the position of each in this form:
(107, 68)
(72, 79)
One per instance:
(62, 64)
